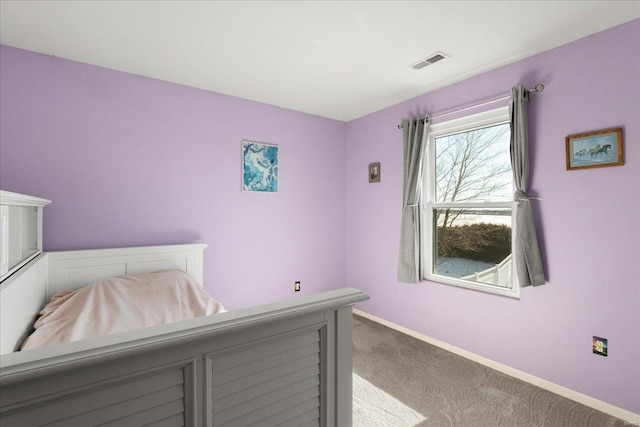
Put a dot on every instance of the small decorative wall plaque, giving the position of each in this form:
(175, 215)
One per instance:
(374, 172)
(600, 346)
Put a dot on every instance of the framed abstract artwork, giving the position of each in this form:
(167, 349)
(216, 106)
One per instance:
(259, 167)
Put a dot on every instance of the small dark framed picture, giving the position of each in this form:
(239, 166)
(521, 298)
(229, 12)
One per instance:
(597, 149)
(374, 172)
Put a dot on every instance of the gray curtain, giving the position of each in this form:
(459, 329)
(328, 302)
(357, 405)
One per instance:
(527, 253)
(415, 133)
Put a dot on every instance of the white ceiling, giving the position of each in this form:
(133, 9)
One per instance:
(337, 59)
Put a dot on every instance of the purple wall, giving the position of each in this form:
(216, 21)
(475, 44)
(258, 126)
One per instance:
(129, 160)
(589, 222)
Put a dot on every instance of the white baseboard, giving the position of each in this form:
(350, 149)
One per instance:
(628, 416)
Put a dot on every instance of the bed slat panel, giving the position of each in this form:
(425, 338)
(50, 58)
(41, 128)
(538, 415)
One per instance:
(127, 411)
(282, 410)
(308, 387)
(293, 416)
(226, 402)
(310, 418)
(148, 416)
(268, 383)
(249, 355)
(297, 355)
(140, 400)
(174, 421)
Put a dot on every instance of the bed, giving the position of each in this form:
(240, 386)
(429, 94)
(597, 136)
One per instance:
(282, 364)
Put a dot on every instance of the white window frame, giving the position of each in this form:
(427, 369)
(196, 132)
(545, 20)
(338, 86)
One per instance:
(464, 124)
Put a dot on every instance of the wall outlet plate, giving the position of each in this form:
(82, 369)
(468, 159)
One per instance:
(600, 346)
(296, 287)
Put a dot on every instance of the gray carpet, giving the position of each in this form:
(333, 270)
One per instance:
(402, 381)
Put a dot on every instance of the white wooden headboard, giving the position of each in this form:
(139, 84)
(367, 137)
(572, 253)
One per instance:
(74, 269)
(26, 291)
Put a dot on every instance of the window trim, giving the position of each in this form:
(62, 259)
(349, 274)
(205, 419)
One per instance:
(464, 124)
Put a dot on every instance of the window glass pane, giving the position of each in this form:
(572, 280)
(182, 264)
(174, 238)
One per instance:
(473, 244)
(474, 166)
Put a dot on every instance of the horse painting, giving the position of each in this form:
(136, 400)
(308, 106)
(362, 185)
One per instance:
(598, 150)
(594, 149)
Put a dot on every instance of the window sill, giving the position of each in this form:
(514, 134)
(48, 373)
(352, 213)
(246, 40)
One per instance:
(488, 289)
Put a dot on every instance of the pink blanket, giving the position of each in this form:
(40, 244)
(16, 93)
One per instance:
(120, 304)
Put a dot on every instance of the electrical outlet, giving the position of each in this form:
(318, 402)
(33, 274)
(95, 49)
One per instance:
(296, 287)
(600, 346)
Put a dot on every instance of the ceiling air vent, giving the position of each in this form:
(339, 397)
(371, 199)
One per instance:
(432, 59)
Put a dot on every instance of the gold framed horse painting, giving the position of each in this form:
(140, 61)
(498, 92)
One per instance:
(597, 149)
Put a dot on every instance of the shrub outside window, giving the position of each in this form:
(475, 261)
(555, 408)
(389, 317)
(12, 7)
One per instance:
(469, 209)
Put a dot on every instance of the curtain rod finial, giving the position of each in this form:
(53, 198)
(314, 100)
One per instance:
(538, 88)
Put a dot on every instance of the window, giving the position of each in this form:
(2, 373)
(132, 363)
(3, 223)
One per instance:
(468, 210)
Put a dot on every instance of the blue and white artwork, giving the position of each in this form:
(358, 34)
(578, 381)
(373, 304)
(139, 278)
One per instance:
(259, 167)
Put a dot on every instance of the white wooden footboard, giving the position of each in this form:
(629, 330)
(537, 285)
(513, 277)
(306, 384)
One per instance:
(282, 364)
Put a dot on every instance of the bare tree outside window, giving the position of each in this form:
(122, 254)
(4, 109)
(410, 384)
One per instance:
(472, 166)
(472, 236)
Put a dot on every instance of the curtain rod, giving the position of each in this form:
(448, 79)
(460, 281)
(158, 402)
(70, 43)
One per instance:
(538, 88)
